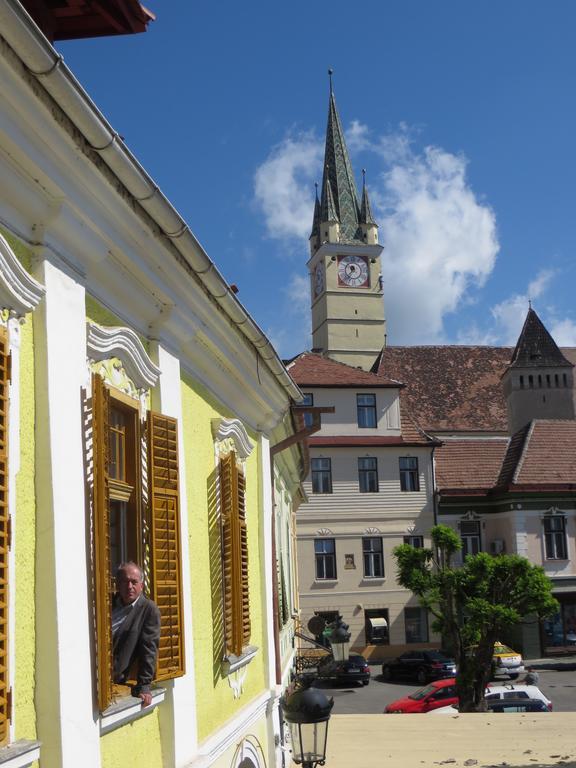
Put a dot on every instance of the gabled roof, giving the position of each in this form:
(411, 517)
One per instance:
(473, 464)
(453, 388)
(543, 455)
(310, 369)
(536, 348)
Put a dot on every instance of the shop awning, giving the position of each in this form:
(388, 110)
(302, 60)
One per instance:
(378, 622)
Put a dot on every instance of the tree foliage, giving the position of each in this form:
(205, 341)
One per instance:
(474, 604)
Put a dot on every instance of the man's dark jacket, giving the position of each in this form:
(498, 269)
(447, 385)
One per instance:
(136, 645)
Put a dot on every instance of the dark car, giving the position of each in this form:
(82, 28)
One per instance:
(354, 670)
(420, 666)
(517, 705)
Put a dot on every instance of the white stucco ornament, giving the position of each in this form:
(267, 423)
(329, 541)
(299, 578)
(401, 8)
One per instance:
(105, 343)
(19, 292)
(234, 430)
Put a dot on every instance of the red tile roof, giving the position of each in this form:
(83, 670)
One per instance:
(469, 464)
(313, 370)
(548, 456)
(453, 387)
(539, 457)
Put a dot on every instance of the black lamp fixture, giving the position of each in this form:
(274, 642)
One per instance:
(340, 640)
(307, 711)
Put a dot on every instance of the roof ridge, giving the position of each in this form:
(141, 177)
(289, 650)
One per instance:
(525, 444)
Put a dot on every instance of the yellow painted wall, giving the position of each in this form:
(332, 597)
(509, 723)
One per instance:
(22, 634)
(24, 630)
(137, 743)
(212, 689)
(101, 315)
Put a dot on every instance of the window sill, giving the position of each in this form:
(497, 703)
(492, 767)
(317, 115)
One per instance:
(20, 754)
(325, 581)
(232, 663)
(127, 709)
(372, 579)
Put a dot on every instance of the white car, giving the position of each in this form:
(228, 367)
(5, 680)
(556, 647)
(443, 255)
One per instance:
(516, 691)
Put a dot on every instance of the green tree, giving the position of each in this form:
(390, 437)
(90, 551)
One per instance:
(473, 604)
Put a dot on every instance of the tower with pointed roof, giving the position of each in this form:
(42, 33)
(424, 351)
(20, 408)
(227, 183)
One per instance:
(539, 382)
(347, 303)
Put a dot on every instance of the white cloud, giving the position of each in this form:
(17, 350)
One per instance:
(509, 315)
(284, 186)
(440, 240)
(564, 333)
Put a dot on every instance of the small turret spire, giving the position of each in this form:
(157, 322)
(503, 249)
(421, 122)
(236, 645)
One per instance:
(316, 218)
(365, 208)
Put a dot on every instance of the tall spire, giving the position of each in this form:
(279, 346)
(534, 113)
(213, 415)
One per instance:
(316, 219)
(338, 179)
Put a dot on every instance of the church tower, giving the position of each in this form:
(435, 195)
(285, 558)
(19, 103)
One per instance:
(539, 382)
(347, 302)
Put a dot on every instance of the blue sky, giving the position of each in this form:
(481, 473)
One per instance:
(462, 113)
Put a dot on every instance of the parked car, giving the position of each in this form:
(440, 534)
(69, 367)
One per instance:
(439, 693)
(502, 693)
(420, 666)
(506, 662)
(517, 691)
(354, 670)
(517, 705)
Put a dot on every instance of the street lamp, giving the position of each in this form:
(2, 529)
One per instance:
(340, 640)
(307, 711)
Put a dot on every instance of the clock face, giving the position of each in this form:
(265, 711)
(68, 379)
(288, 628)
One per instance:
(319, 279)
(353, 271)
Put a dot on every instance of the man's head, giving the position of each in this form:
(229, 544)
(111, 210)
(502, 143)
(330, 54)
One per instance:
(129, 582)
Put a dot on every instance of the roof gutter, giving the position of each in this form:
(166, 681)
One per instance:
(47, 66)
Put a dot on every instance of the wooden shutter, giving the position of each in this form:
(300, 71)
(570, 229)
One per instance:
(101, 510)
(235, 556)
(4, 537)
(165, 577)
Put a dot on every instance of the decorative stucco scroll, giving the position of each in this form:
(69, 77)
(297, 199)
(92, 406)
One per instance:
(372, 532)
(104, 343)
(324, 532)
(19, 292)
(234, 430)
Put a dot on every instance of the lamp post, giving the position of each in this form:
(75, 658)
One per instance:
(340, 640)
(307, 711)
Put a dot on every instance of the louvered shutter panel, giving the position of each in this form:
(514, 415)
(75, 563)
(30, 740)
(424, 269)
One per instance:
(235, 556)
(4, 537)
(166, 578)
(226, 514)
(244, 591)
(101, 505)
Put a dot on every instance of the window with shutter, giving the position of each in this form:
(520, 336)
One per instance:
(136, 518)
(102, 571)
(165, 581)
(4, 537)
(235, 556)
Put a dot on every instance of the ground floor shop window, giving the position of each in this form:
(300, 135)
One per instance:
(560, 630)
(416, 625)
(376, 626)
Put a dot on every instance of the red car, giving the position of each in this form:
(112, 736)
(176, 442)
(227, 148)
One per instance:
(439, 693)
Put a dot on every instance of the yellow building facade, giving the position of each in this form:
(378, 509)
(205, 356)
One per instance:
(143, 417)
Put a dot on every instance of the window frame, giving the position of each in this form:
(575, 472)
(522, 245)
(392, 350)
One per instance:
(368, 476)
(555, 539)
(409, 475)
(423, 620)
(376, 613)
(321, 478)
(366, 412)
(156, 542)
(471, 540)
(414, 540)
(309, 401)
(372, 556)
(323, 558)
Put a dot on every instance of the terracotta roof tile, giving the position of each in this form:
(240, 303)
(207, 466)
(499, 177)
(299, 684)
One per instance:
(453, 387)
(549, 454)
(471, 464)
(313, 370)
